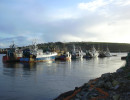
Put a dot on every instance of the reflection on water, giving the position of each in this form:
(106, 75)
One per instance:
(18, 69)
(45, 81)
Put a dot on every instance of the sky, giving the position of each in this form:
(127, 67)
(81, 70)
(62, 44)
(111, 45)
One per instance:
(22, 21)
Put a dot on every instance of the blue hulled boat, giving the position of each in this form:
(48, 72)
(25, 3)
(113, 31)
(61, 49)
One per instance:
(37, 55)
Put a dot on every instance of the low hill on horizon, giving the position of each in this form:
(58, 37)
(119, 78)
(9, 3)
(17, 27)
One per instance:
(68, 46)
(114, 47)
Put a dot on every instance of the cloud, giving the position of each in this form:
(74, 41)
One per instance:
(2, 45)
(121, 2)
(93, 5)
(102, 4)
(96, 20)
(118, 31)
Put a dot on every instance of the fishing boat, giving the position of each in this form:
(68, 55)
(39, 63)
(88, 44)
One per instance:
(65, 56)
(107, 53)
(37, 55)
(13, 54)
(101, 54)
(91, 53)
(77, 53)
(87, 54)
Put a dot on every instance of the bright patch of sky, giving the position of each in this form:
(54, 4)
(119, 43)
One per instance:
(22, 21)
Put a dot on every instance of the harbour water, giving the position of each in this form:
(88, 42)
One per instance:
(45, 81)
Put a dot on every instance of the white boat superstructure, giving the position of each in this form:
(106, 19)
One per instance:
(16, 51)
(107, 53)
(77, 53)
(93, 52)
(68, 55)
(37, 55)
(19, 53)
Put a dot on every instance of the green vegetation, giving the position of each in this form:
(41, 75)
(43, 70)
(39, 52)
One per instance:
(114, 47)
(57, 46)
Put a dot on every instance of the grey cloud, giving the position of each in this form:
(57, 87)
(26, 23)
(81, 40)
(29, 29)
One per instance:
(24, 21)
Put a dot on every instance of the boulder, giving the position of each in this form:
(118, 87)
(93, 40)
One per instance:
(114, 83)
(116, 97)
(108, 85)
(106, 77)
(120, 70)
(100, 84)
(116, 87)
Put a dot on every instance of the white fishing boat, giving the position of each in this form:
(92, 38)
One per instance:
(93, 52)
(107, 53)
(87, 54)
(101, 54)
(37, 55)
(77, 53)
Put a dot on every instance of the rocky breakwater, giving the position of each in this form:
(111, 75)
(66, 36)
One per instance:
(110, 86)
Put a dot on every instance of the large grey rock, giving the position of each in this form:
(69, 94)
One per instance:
(128, 93)
(120, 70)
(76, 99)
(106, 75)
(114, 83)
(128, 75)
(82, 93)
(85, 97)
(108, 85)
(100, 84)
(116, 97)
(94, 94)
(78, 95)
(116, 87)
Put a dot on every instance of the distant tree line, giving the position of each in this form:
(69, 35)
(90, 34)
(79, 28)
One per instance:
(68, 46)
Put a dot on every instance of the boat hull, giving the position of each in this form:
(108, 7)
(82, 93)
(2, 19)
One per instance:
(41, 59)
(11, 59)
(65, 58)
(76, 57)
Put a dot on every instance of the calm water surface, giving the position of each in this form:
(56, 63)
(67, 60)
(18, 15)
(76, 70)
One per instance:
(45, 81)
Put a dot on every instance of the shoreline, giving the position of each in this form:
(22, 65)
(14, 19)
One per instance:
(110, 86)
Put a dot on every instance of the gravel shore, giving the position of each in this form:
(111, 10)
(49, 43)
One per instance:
(110, 86)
